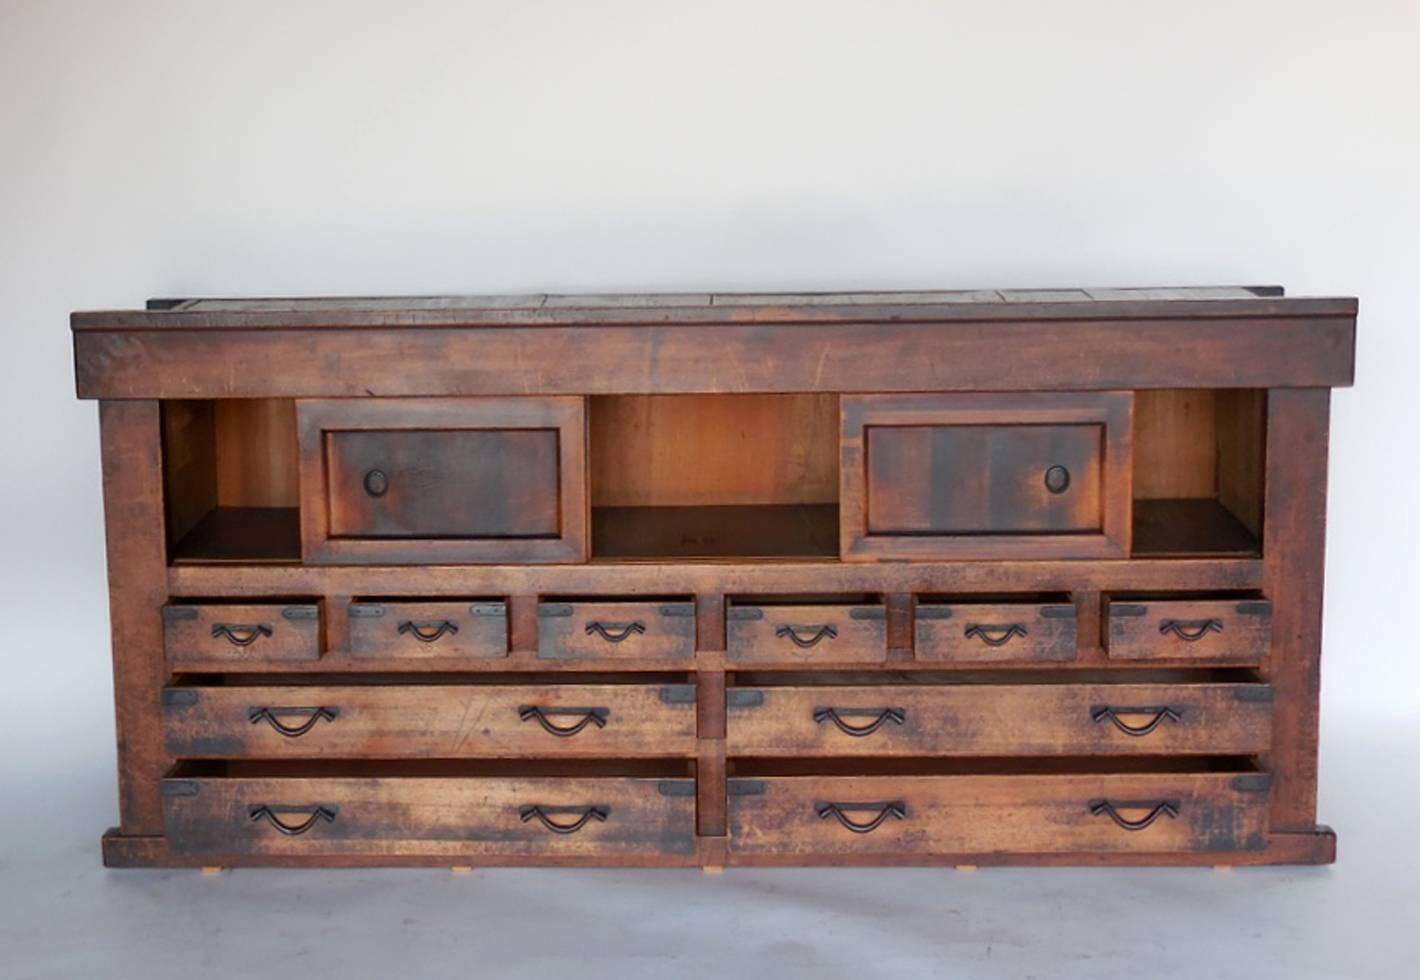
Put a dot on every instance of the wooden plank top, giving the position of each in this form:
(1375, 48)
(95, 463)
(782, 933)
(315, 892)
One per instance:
(549, 309)
(983, 340)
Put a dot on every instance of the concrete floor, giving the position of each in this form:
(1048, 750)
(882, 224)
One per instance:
(62, 915)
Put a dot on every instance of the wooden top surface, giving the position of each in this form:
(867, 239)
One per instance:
(662, 308)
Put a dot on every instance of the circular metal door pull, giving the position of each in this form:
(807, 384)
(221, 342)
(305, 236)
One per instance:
(376, 483)
(1057, 479)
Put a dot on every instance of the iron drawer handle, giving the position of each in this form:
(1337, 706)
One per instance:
(268, 715)
(376, 483)
(240, 635)
(615, 632)
(1112, 714)
(817, 633)
(428, 632)
(992, 635)
(839, 811)
(317, 814)
(1164, 808)
(589, 716)
(597, 813)
(1191, 630)
(882, 716)
(1057, 479)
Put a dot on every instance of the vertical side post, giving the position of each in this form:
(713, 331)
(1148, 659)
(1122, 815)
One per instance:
(130, 436)
(1294, 539)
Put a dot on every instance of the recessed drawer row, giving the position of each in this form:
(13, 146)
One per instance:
(451, 721)
(1211, 629)
(781, 816)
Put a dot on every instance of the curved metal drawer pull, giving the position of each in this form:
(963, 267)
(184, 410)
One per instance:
(268, 715)
(597, 813)
(817, 633)
(239, 634)
(589, 716)
(1112, 714)
(428, 632)
(993, 635)
(881, 716)
(317, 814)
(1191, 630)
(839, 811)
(615, 632)
(1164, 808)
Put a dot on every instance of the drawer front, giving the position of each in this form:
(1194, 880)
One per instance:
(995, 632)
(428, 630)
(453, 484)
(253, 633)
(442, 479)
(1231, 630)
(999, 720)
(1028, 814)
(616, 630)
(338, 816)
(793, 634)
(430, 721)
(986, 476)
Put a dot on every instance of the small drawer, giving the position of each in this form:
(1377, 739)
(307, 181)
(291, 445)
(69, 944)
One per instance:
(283, 816)
(430, 480)
(1231, 630)
(795, 633)
(616, 630)
(810, 816)
(254, 633)
(985, 475)
(428, 630)
(976, 632)
(430, 721)
(999, 720)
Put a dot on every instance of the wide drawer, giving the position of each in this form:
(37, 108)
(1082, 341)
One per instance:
(428, 630)
(616, 630)
(787, 816)
(978, 632)
(804, 633)
(999, 720)
(280, 816)
(253, 633)
(430, 721)
(1231, 630)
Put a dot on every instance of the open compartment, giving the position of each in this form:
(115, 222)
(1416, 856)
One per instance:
(714, 476)
(1199, 460)
(230, 485)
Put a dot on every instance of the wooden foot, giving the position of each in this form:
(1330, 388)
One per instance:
(713, 869)
(212, 869)
(966, 867)
(461, 869)
(1222, 867)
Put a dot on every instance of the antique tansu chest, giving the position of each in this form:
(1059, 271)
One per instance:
(965, 578)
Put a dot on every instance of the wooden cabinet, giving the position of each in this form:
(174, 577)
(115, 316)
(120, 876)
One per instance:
(927, 578)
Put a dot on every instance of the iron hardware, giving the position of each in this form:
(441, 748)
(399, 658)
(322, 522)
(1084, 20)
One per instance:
(1102, 713)
(880, 716)
(588, 716)
(269, 715)
(896, 809)
(315, 815)
(586, 813)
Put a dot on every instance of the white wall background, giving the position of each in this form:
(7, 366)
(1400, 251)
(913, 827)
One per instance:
(198, 148)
